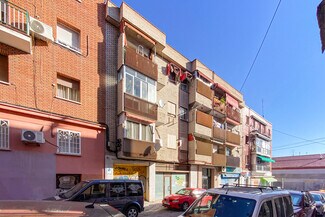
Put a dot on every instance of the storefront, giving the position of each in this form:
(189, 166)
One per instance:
(169, 179)
(231, 177)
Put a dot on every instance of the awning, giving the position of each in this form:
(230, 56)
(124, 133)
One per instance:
(269, 179)
(266, 159)
(232, 101)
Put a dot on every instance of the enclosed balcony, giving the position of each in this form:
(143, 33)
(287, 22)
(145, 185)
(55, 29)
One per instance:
(200, 96)
(232, 138)
(14, 26)
(139, 149)
(233, 115)
(200, 123)
(199, 152)
(140, 63)
(219, 160)
(140, 107)
(233, 161)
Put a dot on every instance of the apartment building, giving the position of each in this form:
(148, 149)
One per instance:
(257, 154)
(178, 123)
(52, 96)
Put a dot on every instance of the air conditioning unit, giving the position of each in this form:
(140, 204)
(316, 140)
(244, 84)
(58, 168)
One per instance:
(40, 30)
(29, 136)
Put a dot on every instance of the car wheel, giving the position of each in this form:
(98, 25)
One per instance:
(185, 206)
(132, 211)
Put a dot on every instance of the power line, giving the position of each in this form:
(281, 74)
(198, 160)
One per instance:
(258, 52)
(283, 148)
(302, 143)
(307, 140)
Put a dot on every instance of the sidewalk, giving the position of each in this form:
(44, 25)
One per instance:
(156, 209)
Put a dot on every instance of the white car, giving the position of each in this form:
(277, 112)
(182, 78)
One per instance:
(239, 201)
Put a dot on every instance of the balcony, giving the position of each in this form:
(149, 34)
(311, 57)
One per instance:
(219, 107)
(140, 107)
(139, 149)
(263, 167)
(233, 161)
(234, 115)
(199, 152)
(232, 138)
(200, 123)
(14, 26)
(141, 63)
(219, 160)
(219, 134)
(200, 96)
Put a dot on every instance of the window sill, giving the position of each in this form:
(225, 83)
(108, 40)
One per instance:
(68, 47)
(78, 103)
(5, 149)
(5, 83)
(69, 155)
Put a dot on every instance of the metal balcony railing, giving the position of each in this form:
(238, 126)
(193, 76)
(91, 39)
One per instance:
(264, 151)
(233, 114)
(140, 107)
(14, 16)
(261, 167)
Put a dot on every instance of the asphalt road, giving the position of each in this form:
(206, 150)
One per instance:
(157, 210)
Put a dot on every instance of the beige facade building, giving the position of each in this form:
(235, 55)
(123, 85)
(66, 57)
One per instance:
(178, 123)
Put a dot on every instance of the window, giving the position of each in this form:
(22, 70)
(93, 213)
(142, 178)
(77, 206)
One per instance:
(4, 71)
(183, 115)
(171, 142)
(140, 85)
(279, 206)
(288, 206)
(117, 189)
(139, 131)
(69, 142)
(171, 108)
(134, 189)
(4, 134)
(247, 120)
(68, 37)
(68, 89)
(266, 209)
(96, 191)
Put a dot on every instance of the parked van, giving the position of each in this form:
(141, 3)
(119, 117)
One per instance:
(124, 195)
(242, 202)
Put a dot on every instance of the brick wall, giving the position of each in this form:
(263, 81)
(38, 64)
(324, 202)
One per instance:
(31, 75)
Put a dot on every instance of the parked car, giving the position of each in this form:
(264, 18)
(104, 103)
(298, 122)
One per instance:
(303, 203)
(55, 208)
(183, 198)
(242, 201)
(320, 202)
(124, 195)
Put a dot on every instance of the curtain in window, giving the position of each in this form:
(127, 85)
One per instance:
(68, 36)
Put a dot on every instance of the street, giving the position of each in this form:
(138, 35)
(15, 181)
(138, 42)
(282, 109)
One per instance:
(157, 210)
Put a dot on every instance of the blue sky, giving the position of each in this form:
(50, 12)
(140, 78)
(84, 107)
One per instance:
(289, 74)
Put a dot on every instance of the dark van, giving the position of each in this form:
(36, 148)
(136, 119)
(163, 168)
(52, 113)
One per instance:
(124, 195)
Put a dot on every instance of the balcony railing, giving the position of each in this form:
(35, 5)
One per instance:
(261, 167)
(232, 138)
(140, 107)
(263, 151)
(219, 133)
(141, 63)
(233, 114)
(139, 149)
(233, 161)
(14, 17)
(219, 160)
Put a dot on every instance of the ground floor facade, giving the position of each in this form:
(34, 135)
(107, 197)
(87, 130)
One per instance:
(44, 153)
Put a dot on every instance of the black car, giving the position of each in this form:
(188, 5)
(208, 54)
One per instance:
(124, 195)
(303, 204)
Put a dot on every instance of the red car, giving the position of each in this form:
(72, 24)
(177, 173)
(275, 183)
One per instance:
(183, 198)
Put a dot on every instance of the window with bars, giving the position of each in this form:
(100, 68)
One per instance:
(69, 142)
(68, 89)
(4, 134)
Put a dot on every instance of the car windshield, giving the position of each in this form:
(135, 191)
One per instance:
(222, 206)
(296, 199)
(184, 192)
(317, 197)
(197, 193)
(73, 190)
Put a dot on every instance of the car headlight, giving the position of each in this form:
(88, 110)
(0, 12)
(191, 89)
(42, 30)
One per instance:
(175, 201)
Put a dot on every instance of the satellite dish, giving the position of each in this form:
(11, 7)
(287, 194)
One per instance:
(37, 26)
(161, 103)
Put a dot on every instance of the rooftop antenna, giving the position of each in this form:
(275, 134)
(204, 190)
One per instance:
(262, 108)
